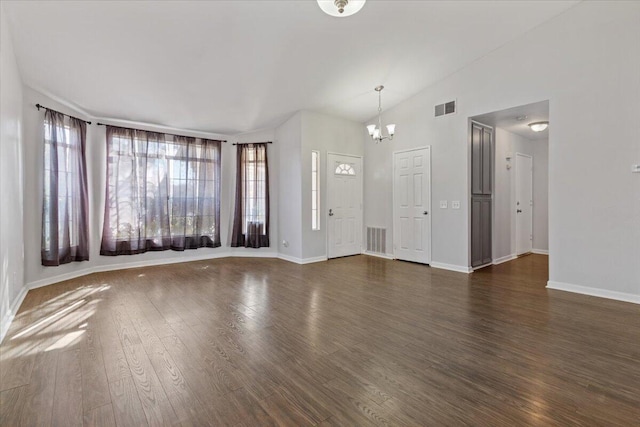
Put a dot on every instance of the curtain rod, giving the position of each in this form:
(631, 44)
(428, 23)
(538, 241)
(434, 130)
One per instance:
(165, 133)
(38, 106)
(245, 143)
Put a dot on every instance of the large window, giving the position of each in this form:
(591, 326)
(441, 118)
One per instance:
(163, 192)
(251, 218)
(315, 190)
(64, 207)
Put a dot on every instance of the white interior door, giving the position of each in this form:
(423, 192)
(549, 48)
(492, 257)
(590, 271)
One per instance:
(524, 204)
(344, 205)
(412, 205)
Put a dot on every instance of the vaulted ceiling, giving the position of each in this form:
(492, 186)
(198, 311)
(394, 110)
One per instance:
(235, 66)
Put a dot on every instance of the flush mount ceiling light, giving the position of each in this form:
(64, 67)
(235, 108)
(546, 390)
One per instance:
(376, 131)
(538, 126)
(341, 8)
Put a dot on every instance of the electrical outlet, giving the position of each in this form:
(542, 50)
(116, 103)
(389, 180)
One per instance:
(635, 168)
(455, 204)
(443, 204)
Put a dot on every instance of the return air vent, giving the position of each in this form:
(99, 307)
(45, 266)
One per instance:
(446, 108)
(376, 240)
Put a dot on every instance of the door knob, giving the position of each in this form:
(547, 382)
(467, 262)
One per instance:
(330, 212)
(519, 211)
(425, 213)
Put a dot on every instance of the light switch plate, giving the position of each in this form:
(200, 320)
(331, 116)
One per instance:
(443, 204)
(455, 204)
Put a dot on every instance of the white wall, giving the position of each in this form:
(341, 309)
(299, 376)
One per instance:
(325, 134)
(587, 64)
(12, 287)
(540, 153)
(288, 138)
(504, 218)
(296, 138)
(503, 246)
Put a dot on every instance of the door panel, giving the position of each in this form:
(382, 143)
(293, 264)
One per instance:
(485, 219)
(418, 229)
(344, 204)
(476, 233)
(476, 159)
(487, 156)
(412, 203)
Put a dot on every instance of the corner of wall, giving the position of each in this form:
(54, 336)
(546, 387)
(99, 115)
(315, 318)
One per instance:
(12, 287)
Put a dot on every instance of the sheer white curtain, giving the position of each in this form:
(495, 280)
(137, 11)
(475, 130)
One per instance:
(163, 192)
(65, 206)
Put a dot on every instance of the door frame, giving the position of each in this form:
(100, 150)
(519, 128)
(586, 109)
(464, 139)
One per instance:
(515, 196)
(393, 200)
(326, 186)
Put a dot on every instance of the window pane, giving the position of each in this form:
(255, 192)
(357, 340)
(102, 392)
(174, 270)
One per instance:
(315, 190)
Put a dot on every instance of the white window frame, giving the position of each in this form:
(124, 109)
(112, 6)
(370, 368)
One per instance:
(315, 190)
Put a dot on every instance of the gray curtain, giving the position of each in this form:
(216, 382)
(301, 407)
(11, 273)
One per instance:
(251, 217)
(163, 192)
(65, 202)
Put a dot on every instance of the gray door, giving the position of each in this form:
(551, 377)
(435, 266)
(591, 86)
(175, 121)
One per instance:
(481, 194)
(480, 231)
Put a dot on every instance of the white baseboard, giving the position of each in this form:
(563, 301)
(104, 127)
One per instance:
(301, 261)
(451, 267)
(540, 251)
(13, 309)
(249, 254)
(379, 255)
(595, 292)
(504, 259)
(147, 263)
(62, 277)
(314, 259)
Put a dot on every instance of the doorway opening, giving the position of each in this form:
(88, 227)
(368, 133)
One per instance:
(513, 211)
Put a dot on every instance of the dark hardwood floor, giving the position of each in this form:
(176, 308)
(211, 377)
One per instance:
(351, 342)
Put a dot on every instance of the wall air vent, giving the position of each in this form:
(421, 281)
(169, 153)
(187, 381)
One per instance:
(376, 240)
(445, 108)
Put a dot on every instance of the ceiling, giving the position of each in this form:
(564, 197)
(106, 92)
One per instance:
(516, 120)
(236, 66)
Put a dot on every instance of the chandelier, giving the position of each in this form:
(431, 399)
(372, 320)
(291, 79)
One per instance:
(375, 131)
(340, 8)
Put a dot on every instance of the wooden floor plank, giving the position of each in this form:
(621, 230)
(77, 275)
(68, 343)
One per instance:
(41, 390)
(102, 416)
(67, 403)
(154, 400)
(127, 409)
(12, 404)
(353, 341)
(94, 378)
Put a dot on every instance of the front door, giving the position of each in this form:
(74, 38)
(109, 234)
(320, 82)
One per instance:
(412, 205)
(344, 205)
